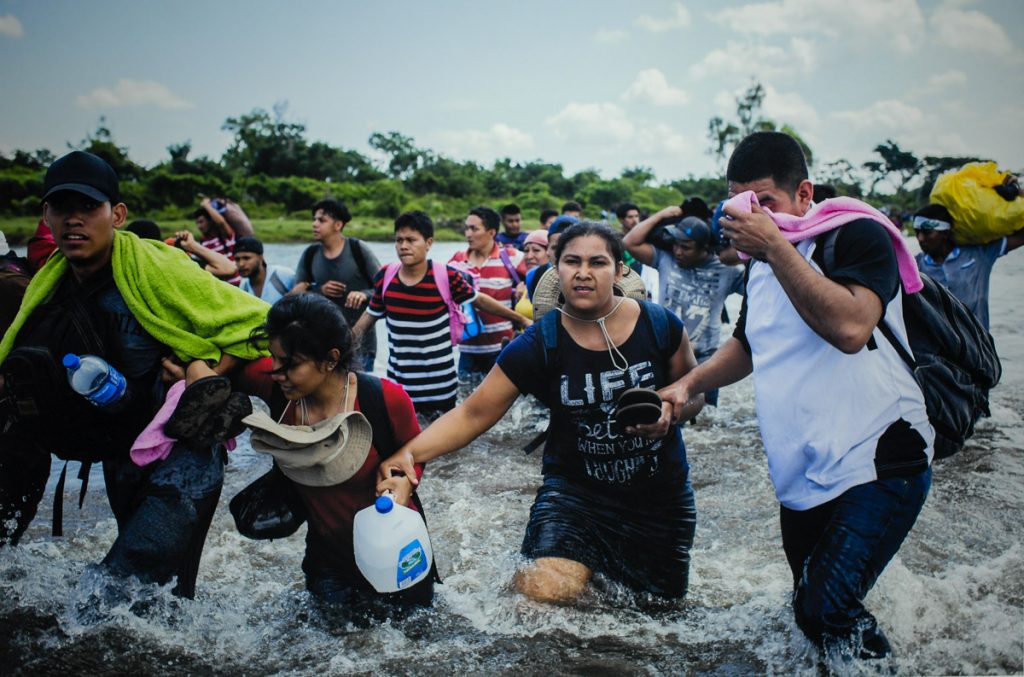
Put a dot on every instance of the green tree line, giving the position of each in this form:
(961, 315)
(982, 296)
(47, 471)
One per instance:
(274, 170)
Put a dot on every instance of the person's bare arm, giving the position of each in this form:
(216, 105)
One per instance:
(842, 314)
(729, 364)
(364, 324)
(490, 305)
(460, 426)
(635, 241)
(1015, 240)
(213, 262)
(225, 228)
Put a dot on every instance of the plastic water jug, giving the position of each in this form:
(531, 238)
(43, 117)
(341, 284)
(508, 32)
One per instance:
(392, 547)
(94, 379)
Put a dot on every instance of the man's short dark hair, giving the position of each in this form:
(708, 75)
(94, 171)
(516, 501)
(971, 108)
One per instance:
(572, 206)
(144, 228)
(824, 191)
(934, 211)
(511, 210)
(418, 221)
(547, 214)
(490, 217)
(333, 208)
(768, 155)
(625, 208)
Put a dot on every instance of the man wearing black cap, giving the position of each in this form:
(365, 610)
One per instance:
(130, 302)
(260, 279)
(693, 282)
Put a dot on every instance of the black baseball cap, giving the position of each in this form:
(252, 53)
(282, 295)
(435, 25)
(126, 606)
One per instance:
(691, 228)
(83, 173)
(248, 244)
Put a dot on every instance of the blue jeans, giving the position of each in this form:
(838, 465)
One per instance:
(476, 363)
(836, 552)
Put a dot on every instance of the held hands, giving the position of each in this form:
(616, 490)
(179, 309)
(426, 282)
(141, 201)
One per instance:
(659, 428)
(400, 487)
(676, 396)
(399, 464)
(524, 321)
(754, 233)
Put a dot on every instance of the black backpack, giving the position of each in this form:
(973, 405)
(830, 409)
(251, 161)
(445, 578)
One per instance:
(954, 358)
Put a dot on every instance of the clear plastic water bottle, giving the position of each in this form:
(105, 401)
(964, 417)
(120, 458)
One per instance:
(392, 547)
(95, 380)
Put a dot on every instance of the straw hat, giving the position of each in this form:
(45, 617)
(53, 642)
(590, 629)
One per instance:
(548, 294)
(321, 455)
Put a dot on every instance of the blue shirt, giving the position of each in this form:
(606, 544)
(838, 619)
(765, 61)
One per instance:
(966, 272)
(271, 294)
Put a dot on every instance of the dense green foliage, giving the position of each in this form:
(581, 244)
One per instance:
(276, 173)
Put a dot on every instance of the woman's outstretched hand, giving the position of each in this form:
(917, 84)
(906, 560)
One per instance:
(398, 464)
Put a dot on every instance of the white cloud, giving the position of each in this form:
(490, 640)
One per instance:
(759, 60)
(132, 93)
(970, 31)
(887, 117)
(610, 37)
(790, 109)
(603, 122)
(11, 26)
(943, 81)
(499, 140)
(680, 18)
(650, 86)
(901, 21)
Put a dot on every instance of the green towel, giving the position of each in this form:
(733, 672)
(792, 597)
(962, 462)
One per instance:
(177, 302)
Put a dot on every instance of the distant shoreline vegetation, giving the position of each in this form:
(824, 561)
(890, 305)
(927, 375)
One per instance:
(276, 174)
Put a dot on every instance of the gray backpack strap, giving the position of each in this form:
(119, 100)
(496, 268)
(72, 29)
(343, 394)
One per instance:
(278, 284)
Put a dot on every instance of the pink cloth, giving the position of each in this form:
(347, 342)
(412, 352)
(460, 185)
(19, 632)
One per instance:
(153, 444)
(828, 215)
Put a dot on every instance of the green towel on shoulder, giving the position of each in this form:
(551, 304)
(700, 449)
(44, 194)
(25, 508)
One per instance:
(177, 302)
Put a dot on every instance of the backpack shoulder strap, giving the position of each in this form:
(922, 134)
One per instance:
(549, 334)
(441, 280)
(371, 403)
(658, 322)
(307, 260)
(503, 255)
(827, 243)
(278, 284)
(389, 274)
(360, 256)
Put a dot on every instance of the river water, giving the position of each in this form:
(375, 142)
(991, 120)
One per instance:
(952, 601)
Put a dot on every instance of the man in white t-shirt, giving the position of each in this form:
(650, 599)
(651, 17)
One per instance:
(844, 425)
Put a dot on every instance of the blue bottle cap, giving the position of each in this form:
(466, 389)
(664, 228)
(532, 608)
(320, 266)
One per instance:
(71, 360)
(384, 504)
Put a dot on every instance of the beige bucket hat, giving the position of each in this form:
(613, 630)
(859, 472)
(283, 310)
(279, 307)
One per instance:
(321, 455)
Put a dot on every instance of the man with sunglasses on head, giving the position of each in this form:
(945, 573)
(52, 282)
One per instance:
(964, 269)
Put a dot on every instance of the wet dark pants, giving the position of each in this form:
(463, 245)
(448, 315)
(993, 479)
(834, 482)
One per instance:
(836, 552)
(163, 510)
(163, 513)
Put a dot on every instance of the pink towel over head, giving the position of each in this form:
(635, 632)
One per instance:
(152, 444)
(828, 215)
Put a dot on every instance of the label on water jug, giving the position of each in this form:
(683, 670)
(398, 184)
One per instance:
(412, 562)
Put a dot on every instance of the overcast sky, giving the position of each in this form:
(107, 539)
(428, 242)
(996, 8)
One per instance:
(587, 84)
